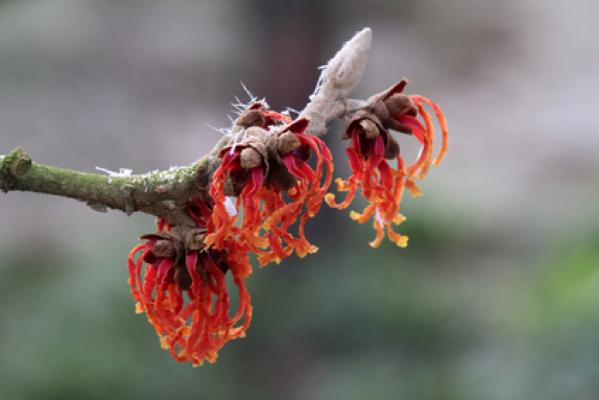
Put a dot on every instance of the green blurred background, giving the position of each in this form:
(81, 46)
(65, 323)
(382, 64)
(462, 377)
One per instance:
(497, 296)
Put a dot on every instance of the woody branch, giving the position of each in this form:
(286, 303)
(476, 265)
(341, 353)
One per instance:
(166, 193)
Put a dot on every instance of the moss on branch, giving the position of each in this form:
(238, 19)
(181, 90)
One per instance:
(161, 193)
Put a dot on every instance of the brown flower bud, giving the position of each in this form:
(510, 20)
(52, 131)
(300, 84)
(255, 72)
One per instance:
(371, 130)
(287, 142)
(280, 177)
(391, 149)
(380, 110)
(396, 126)
(164, 249)
(400, 104)
(150, 258)
(254, 132)
(250, 158)
(250, 118)
(182, 278)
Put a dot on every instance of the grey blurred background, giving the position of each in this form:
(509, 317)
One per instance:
(495, 298)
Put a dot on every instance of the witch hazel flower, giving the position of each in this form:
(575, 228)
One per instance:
(294, 149)
(181, 288)
(373, 150)
(279, 175)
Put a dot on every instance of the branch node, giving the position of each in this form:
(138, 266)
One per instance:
(12, 167)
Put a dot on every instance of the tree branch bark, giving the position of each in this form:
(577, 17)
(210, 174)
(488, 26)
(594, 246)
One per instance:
(162, 193)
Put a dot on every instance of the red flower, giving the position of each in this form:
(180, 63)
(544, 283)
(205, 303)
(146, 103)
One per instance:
(309, 190)
(269, 172)
(371, 150)
(181, 288)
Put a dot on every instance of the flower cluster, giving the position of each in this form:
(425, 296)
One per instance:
(269, 172)
(181, 287)
(371, 150)
(272, 177)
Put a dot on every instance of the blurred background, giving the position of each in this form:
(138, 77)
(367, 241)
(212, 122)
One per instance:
(497, 296)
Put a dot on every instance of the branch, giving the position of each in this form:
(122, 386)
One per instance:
(167, 193)
(163, 193)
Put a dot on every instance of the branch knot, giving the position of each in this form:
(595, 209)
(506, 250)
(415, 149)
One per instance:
(12, 167)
